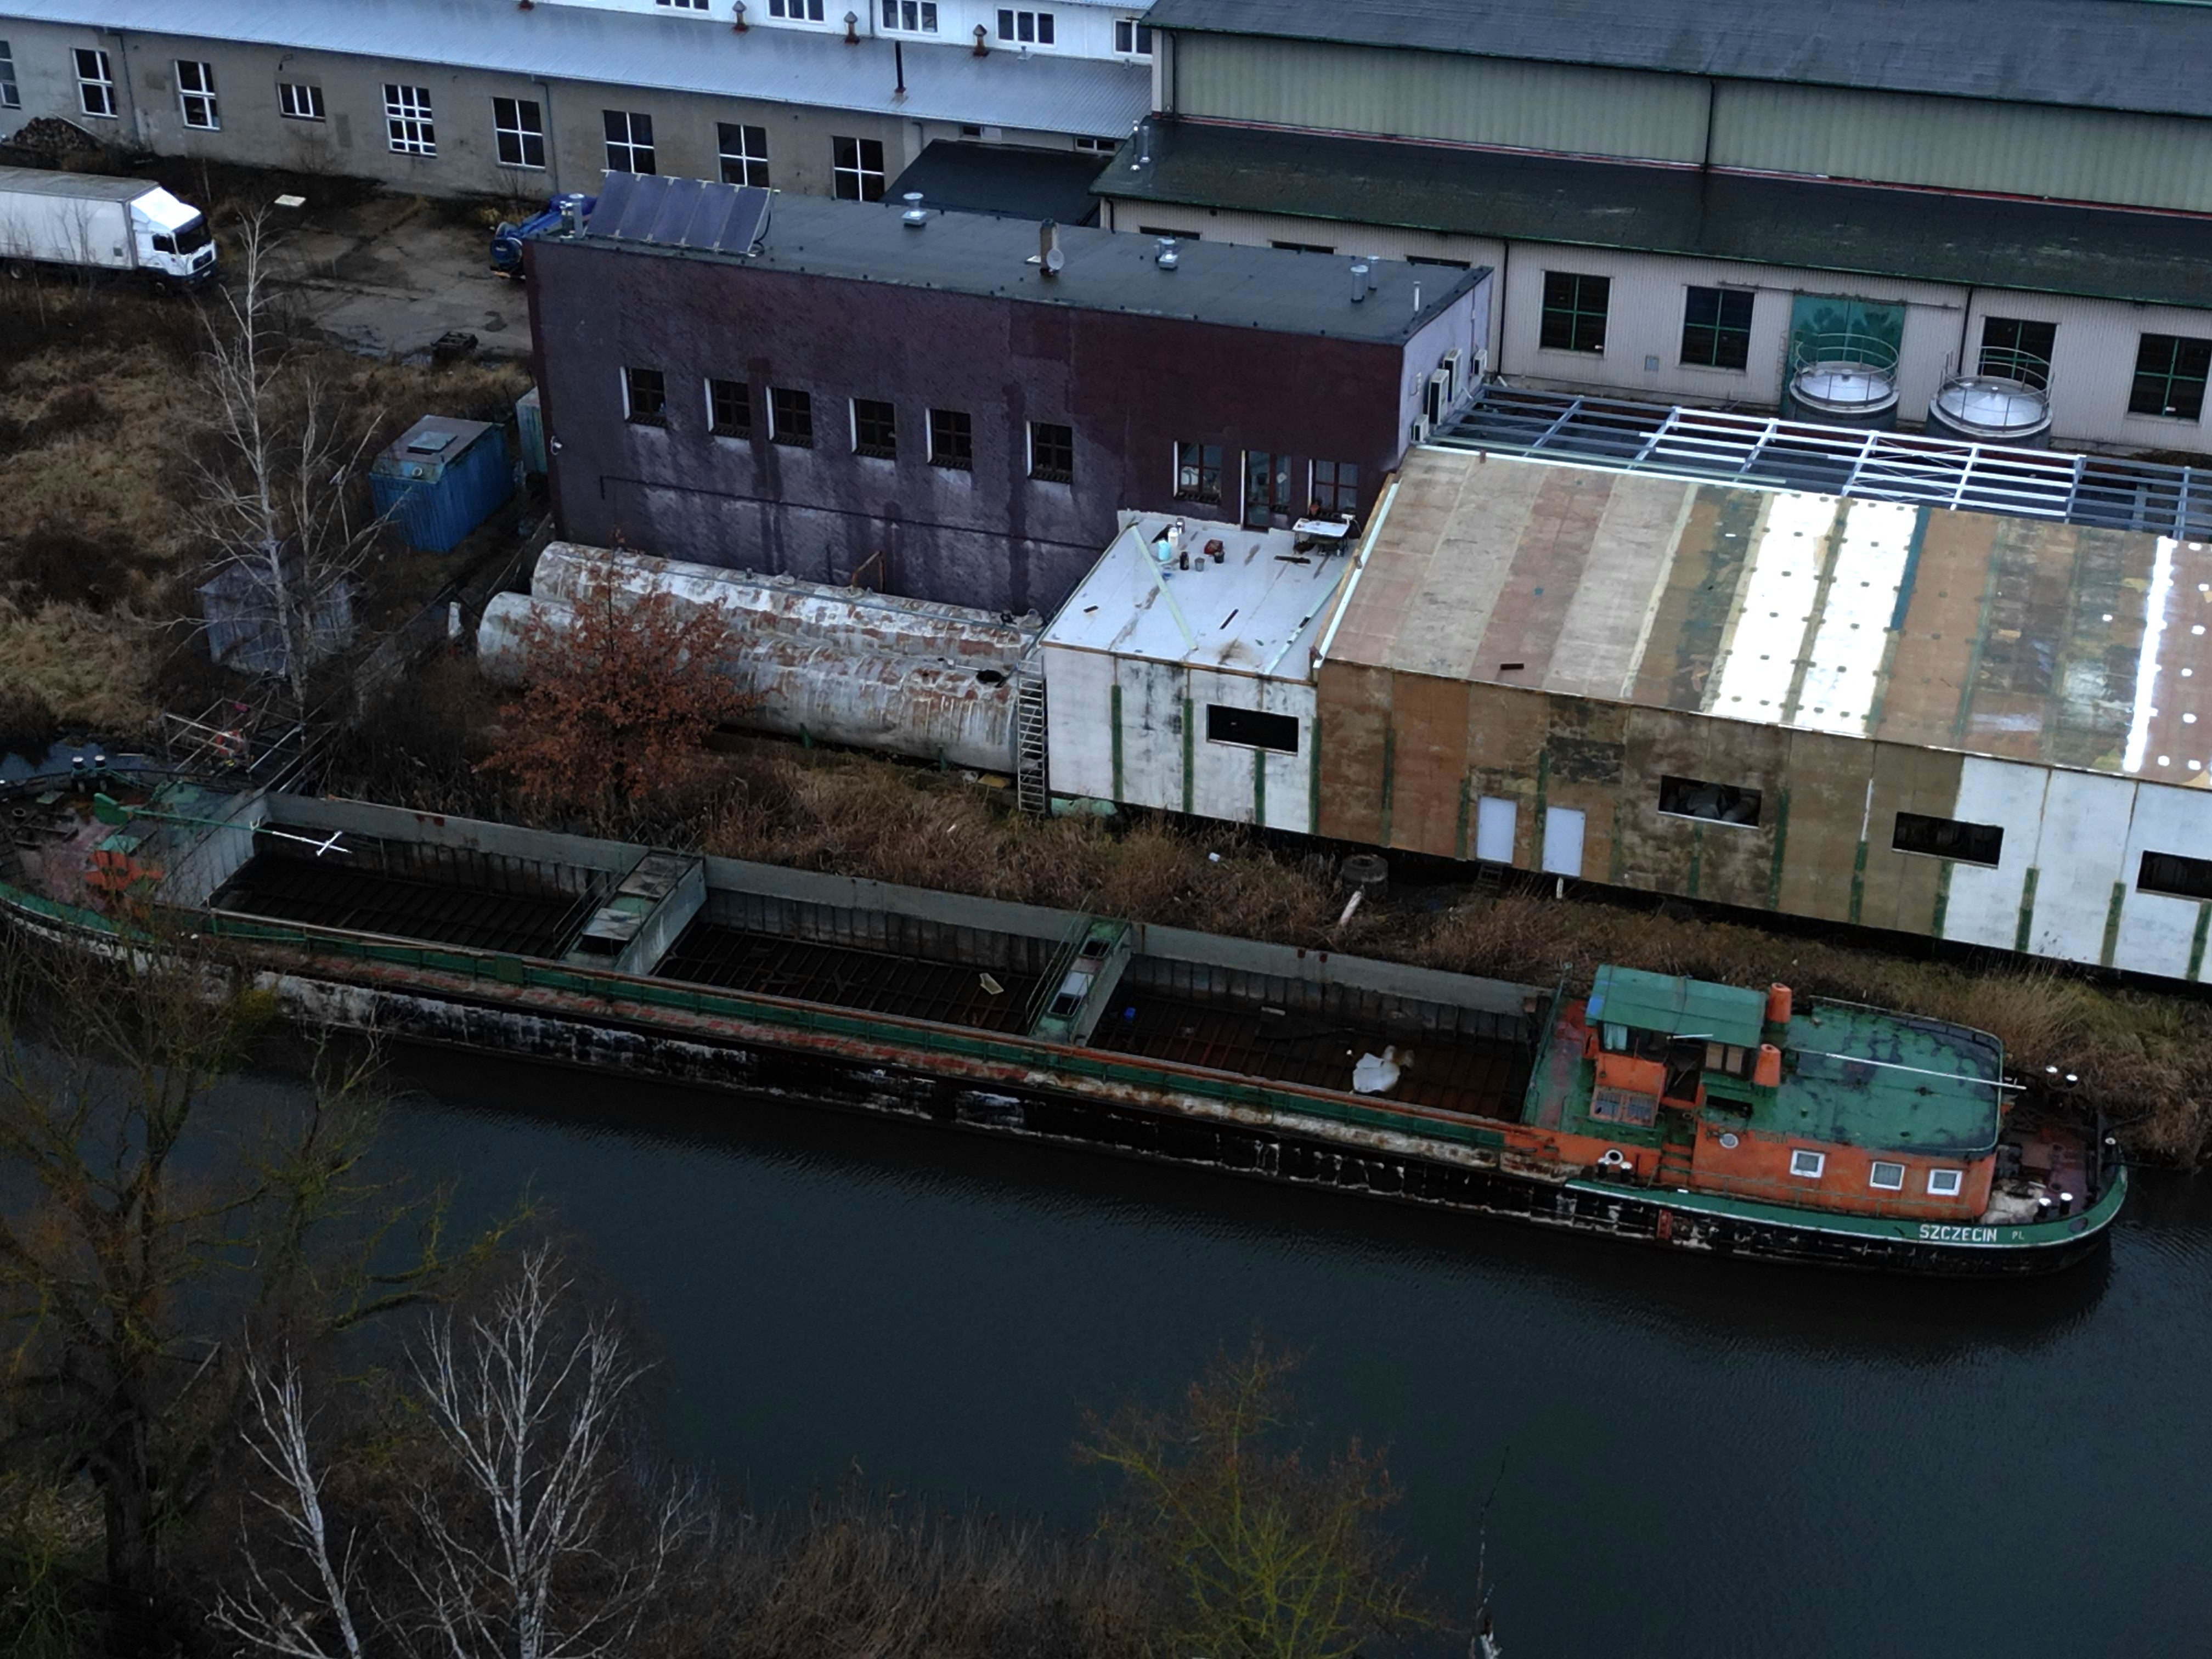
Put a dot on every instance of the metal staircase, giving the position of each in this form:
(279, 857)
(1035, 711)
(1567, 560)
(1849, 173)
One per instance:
(1032, 787)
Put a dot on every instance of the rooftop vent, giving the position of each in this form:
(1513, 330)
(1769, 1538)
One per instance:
(1167, 259)
(1050, 259)
(915, 216)
(1359, 281)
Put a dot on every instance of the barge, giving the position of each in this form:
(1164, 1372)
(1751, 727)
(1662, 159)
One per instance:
(1673, 1113)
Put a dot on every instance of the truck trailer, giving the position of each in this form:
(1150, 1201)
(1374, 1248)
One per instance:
(88, 222)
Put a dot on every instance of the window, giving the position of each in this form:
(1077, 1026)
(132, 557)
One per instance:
(1574, 312)
(645, 396)
(1302, 248)
(1267, 489)
(951, 440)
(1132, 36)
(629, 141)
(1886, 1178)
(729, 409)
(1161, 230)
(1718, 803)
(857, 169)
(2170, 374)
(11, 96)
(1052, 452)
(1624, 1106)
(1947, 838)
(407, 119)
(745, 154)
(875, 430)
(1336, 488)
(2018, 349)
(682, 5)
(798, 11)
(1807, 1166)
(298, 101)
(791, 418)
(1946, 1183)
(911, 16)
(1098, 146)
(196, 95)
(518, 129)
(2173, 873)
(1198, 473)
(1026, 28)
(1252, 729)
(1449, 264)
(96, 83)
(1716, 328)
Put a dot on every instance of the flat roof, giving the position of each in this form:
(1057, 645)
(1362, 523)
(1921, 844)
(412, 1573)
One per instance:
(1220, 282)
(2021, 639)
(1921, 235)
(1865, 1076)
(1676, 1007)
(1011, 181)
(686, 52)
(1258, 611)
(2093, 54)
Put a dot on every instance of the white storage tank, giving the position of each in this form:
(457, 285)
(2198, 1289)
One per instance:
(1992, 409)
(1846, 379)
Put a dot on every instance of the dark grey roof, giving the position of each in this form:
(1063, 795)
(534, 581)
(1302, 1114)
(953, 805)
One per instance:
(1007, 180)
(2155, 257)
(977, 254)
(2100, 54)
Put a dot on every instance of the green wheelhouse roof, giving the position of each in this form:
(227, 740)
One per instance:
(1675, 1006)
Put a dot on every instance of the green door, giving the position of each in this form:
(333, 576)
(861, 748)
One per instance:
(1831, 327)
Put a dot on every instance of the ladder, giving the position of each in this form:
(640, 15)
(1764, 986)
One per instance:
(1032, 787)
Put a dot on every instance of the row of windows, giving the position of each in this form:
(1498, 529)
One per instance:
(2171, 372)
(872, 425)
(1332, 487)
(1131, 35)
(1883, 1175)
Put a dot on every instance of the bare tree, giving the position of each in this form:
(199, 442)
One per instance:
(278, 481)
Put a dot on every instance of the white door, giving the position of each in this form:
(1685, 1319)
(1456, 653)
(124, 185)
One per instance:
(1563, 841)
(1494, 829)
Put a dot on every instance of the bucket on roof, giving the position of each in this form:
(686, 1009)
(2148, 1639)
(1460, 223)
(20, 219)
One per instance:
(441, 479)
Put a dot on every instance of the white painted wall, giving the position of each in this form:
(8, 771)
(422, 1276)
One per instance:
(1081, 28)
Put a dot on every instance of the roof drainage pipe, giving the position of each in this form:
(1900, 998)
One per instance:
(958, 713)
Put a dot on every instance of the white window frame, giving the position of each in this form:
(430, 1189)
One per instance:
(1807, 1165)
(196, 102)
(529, 124)
(95, 91)
(1955, 1183)
(796, 11)
(1021, 27)
(410, 122)
(630, 144)
(682, 5)
(300, 100)
(1880, 1166)
(743, 155)
(11, 95)
(1137, 33)
(910, 16)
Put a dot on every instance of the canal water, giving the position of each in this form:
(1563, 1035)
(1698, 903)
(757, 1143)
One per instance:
(1690, 1457)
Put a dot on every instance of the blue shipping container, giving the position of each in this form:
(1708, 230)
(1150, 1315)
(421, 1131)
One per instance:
(442, 479)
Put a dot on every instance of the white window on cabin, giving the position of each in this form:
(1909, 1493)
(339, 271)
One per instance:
(1946, 1183)
(196, 95)
(95, 82)
(1886, 1177)
(1807, 1166)
(910, 16)
(1132, 36)
(796, 11)
(1496, 822)
(1026, 29)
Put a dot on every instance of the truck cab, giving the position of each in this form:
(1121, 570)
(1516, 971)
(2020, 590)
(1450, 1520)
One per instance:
(171, 239)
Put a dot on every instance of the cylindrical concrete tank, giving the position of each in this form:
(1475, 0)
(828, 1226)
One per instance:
(961, 713)
(783, 605)
(1991, 409)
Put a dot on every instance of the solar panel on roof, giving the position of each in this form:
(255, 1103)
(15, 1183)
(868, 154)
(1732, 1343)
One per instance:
(687, 213)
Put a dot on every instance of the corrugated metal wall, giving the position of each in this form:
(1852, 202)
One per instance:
(1469, 100)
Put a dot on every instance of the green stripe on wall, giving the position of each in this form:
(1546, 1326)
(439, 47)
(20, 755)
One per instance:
(2197, 941)
(1189, 756)
(1114, 701)
(1858, 881)
(1259, 787)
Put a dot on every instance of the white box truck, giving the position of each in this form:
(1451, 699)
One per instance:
(102, 224)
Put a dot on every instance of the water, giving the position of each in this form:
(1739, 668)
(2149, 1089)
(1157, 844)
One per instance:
(1699, 1458)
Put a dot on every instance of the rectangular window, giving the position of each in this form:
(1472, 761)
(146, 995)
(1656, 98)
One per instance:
(196, 95)
(875, 430)
(645, 396)
(517, 129)
(1807, 1166)
(11, 96)
(1946, 1183)
(1250, 729)
(1717, 328)
(682, 5)
(629, 141)
(856, 166)
(1449, 264)
(1302, 248)
(2175, 874)
(911, 16)
(1098, 146)
(951, 440)
(791, 418)
(1947, 838)
(1026, 29)
(1267, 489)
(1716, 803)
(1161, 230)
(2169, 375)
(1886, 1178)
(1052, 452)
(1335, 489)
(1132, 36)
(798, 11)
(729, 409)
(1574, 312)
(745, 154)
(1198, 473)
(298, 101)
(407, 121)
(2017, 350)
(96, 83)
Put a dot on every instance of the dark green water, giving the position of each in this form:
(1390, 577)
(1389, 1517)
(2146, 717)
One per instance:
(1700, 1458)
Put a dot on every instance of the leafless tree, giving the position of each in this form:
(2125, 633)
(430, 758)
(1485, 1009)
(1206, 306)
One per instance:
(277, 483)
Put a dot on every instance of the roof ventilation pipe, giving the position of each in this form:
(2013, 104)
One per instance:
(1050, 260)
(569, 215)
(852, 28)
(1359, 281)
(981, 51)
(1167, 259)
(915, 216)
(738, 12)
(1417, 299)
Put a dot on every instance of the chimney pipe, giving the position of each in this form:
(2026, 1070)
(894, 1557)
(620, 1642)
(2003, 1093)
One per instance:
(915, 216)
(898, 65)
(740, 24)
(852, 28)
(1417, 299)
(1359, 281)
(981, 51)
(1050, 260)
(1167, 259)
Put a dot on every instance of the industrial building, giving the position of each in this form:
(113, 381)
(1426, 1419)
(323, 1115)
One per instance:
(524, 100)
(2007, 224)
(956, 407)
(1981, 728)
